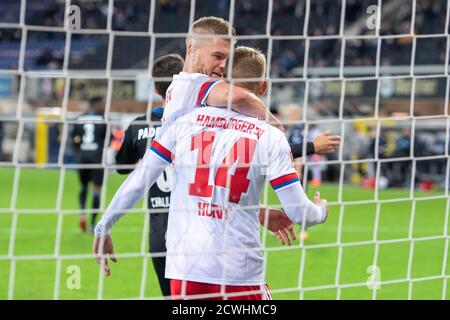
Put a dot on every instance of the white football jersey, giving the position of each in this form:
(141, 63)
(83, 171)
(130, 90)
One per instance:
(187, 90)
(221, 160)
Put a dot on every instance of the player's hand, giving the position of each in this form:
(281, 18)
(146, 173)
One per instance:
(103, 248)
(326, 143)
(286, 235)
(278, 223)
(321, 202)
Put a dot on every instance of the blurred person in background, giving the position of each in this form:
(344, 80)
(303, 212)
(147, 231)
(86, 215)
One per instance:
(357, 147)
(88, 138)
(324, 143)
(316, 158)
(422, 147)
(291, 114)
(402, 169)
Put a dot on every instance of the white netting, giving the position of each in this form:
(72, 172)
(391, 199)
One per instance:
(384, 90)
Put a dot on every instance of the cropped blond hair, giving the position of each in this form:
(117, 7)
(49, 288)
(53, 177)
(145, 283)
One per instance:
(248, 63)
(210, 26)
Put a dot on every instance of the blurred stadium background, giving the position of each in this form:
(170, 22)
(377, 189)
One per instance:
(385, 92)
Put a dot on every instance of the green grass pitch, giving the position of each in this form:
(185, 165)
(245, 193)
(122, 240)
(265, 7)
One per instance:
(36, 235)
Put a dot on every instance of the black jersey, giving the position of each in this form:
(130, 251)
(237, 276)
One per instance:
(89, 136)
(133, 148)
(294, 136)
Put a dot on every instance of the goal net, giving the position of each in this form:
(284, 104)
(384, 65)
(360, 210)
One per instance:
(374, 72)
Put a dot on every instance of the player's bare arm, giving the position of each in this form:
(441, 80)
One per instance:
(241, 100)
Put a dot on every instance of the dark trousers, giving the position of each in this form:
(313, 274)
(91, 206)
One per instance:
(157, 241)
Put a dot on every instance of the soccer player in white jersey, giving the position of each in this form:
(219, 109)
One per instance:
(223, 159)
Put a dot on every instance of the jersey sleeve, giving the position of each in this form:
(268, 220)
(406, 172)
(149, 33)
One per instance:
(281, 165)
(164, 143)
(131, 191)
(142, 178)
(299, 208)
(297, 149)
(203, 90)
(285, 182)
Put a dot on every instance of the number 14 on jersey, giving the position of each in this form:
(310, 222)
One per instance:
(240, 155)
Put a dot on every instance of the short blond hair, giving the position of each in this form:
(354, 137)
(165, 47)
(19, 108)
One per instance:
(211, 26)
(248, 63)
